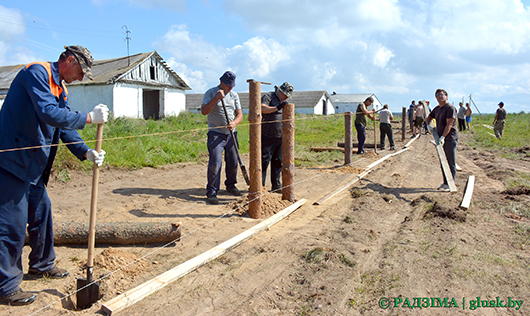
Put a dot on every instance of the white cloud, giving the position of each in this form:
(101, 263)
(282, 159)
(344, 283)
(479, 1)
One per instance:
(382, 57)
(191, 49)
(258, 57)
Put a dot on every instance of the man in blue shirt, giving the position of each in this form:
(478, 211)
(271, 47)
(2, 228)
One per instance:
(34, 116)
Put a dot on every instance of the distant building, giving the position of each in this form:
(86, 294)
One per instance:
(306, 102)
(349, 102)
(138, 86)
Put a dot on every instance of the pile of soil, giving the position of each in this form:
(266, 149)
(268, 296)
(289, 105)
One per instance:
(271, 203)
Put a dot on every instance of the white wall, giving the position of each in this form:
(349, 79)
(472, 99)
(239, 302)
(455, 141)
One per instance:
(85, 98)
(174, 102)
(128, 100)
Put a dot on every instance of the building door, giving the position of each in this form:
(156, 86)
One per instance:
(151, 104)
(324, 108)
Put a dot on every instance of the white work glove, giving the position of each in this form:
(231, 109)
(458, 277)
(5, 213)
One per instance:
(96, 157)
(99, 114)
(442, 140)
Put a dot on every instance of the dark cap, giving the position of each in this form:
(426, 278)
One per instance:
(84, 57)
(501, 104)
(286, 88)
(229, 78)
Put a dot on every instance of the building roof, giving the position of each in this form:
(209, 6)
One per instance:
(351, 98)
(7, 74)
(104, 71)
(301, 99)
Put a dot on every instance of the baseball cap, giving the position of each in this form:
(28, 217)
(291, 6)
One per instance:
(502, 103)
(84, 57)
(229, 78)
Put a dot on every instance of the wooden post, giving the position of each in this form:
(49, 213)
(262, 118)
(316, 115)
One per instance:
(347, 138)
(375, 135)
(403, 123)
(288, 152)
(254, 117)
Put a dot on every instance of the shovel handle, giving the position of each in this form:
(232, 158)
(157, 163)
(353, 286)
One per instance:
(93, 205)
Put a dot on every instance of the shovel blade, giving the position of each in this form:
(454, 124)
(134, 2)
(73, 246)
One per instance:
(88, 295)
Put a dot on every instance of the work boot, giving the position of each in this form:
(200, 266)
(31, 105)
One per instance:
(54, 273)
(212, 199)
(18, 298)
(234, 191)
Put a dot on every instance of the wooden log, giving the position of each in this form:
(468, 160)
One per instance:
(254, 196)
(347, 138)
(125, 233)
(288, 152)
(366, 145)
(443, 161)
(320, 149)
(143, 290)
(466, 201)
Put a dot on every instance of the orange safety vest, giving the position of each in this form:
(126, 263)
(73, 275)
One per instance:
(55, 89)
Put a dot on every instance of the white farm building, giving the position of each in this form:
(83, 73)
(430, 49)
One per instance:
(138, 86)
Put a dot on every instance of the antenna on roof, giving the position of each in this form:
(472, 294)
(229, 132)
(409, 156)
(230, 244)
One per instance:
(127, 38)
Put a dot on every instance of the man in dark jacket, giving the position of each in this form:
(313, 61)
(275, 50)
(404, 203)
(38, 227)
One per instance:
(34, 116)
(271, 133)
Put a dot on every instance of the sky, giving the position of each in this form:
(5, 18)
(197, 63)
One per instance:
(398, 50)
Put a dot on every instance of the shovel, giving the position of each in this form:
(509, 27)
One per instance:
(87, 289)
(243, 169)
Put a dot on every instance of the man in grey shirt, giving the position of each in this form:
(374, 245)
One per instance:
(385, 116)
(219, 138)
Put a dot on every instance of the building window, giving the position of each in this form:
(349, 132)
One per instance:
(153, 73)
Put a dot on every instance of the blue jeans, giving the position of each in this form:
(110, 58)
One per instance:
(450, 152)
(361, 136)
(13, 218)
(217, 143)
(40, 228)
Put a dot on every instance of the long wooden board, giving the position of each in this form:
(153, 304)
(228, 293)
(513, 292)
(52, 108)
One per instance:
(443, 161)
(143, 290)
(466, 201)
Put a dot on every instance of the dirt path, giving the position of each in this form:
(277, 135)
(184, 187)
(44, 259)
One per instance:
(392, 236)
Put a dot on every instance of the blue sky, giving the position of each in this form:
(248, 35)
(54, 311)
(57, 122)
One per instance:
(399, 50)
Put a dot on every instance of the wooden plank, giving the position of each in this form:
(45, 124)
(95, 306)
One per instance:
(140, 292)
(359, 177)
(443, 161)
(458, 168)
(491, 134)
(487, 126)
(342, 188)
(466, 201)
(412, 140)
(320, 149)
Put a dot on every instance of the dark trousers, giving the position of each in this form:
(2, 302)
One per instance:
(40, 228)
(361, 136)
(13, 218)
(386, 129)
(271, 152)
(461, 124)
(450, 152)
(217, 143)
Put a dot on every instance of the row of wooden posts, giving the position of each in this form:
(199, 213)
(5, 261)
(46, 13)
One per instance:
(288, 127)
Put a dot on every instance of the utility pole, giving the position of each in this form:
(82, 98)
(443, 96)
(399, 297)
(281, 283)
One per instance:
(474, 104)
(127, 38)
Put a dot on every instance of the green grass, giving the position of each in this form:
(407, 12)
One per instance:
(516, 134)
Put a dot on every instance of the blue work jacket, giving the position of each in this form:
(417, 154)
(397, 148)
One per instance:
(35, 114)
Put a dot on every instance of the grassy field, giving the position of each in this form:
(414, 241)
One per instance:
(137, 143)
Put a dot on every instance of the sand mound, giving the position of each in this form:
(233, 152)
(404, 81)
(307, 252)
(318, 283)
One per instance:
(271, 203)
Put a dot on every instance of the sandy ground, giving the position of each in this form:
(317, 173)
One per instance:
(392, 236)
